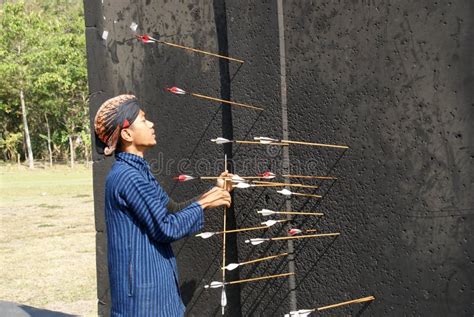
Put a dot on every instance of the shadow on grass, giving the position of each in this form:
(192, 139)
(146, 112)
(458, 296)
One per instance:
(50, 206)
(17, 310)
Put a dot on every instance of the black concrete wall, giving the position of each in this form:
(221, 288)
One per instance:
(391, 79)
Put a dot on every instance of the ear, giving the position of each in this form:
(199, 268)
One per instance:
(126, 135)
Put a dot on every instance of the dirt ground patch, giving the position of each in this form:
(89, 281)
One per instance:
(47, 239)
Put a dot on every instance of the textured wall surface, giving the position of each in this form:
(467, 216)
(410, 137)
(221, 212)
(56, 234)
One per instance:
(394, 80)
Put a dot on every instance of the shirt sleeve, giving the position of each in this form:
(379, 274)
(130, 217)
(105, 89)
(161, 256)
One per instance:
(149, 210)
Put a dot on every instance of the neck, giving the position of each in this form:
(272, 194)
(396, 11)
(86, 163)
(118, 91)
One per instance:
(134, 150)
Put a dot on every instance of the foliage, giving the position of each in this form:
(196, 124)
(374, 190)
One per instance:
(42, 52)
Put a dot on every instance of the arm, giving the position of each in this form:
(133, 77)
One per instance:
(174, 206)
(150, 212)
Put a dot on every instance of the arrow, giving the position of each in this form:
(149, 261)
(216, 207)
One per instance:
(223, 141)
(267, 175)
(237, 178)
(270, 184)
(307, 312)
(233, 266)
(268, 212)
(257, 241)
(216, 284)
(267, 224)
(185, 178)
(267, 140)
(148, 39)
(179, 91)
(286, 192)
(224, 245)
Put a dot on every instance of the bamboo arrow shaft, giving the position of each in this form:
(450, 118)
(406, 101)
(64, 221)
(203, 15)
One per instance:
(355, 301)
(307, 236)
(201, 51)
(224, 235)
(285, 184)
(226, 101)
(316, 144)
(259, 278)
(243, 229)
(264, 259)
(307, 195)
(270, 185)
(299, 213)
(309, 176)
(257, 142)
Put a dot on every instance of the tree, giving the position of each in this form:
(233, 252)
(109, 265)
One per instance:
(43, 69)
(19, 29)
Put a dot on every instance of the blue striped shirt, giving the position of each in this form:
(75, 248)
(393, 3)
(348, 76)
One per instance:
(142, 267)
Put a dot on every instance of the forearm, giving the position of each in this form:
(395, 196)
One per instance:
(174, 206)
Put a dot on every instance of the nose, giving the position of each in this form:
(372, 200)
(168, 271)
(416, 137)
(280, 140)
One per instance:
(151, 124)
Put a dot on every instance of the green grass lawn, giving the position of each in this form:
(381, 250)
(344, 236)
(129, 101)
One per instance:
(47, 238)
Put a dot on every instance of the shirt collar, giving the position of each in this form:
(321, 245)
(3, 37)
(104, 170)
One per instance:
(134, 160)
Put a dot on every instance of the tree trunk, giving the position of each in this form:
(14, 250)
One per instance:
(27, 131)
(86, 153)
(71, 149)
(49, 142)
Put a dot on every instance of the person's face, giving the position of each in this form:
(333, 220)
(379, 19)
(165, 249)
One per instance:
(142, 132)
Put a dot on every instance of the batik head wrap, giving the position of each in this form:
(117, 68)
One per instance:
(114, 115)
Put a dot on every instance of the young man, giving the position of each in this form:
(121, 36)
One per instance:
(142, 220)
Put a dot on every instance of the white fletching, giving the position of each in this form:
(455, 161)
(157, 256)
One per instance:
(214, 284)
(223, 298)
(265, 140)
(221, 140)
(285, 192)
(266, 212)
(237, 179)
(269, 223)
(256, 241)
(300, 313)
(244, 185)
(232, 266)
(205, 235)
